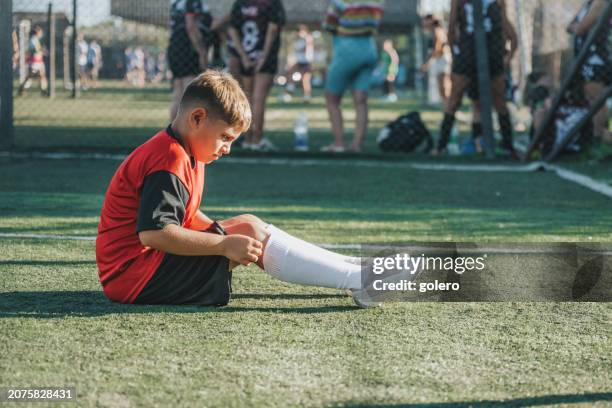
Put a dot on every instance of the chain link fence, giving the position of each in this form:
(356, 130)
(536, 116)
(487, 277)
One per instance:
(450, 77)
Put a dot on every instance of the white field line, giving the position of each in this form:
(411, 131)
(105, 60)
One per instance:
(574, 177)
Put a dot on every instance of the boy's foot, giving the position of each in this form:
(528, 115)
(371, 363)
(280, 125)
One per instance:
(265, 145)
(333, 148)
(362, 299)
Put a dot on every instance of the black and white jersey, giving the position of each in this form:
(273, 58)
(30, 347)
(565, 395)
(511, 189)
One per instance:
(599, 51)
(178, 30)
(492, 14)
(251, 18)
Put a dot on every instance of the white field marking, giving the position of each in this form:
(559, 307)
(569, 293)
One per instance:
(47, 236)
(574, 177)
(581, 179)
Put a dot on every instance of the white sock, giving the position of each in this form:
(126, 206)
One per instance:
(292, 260)
(322, 252)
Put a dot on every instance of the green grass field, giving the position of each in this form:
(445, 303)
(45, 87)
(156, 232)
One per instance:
(284, 345)
(278, 344)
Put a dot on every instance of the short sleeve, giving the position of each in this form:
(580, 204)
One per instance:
(277, 14)
(163, 201)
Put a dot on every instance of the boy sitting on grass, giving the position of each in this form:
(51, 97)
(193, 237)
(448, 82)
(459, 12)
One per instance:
(155, 246)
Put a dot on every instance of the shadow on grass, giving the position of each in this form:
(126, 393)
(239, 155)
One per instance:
(518, 402)
(59, 304)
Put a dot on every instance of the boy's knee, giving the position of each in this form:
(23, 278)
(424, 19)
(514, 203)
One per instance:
(250, 218)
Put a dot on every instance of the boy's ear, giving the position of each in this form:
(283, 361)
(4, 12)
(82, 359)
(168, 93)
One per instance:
(198, 116)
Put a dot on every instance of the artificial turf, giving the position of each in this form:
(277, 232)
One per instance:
(278, 344)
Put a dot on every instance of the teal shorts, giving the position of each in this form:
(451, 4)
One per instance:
(353, 63)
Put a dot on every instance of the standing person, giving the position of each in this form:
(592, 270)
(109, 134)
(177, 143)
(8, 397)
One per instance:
(353, 24)
(188, 49)
(510, 47)
(390, 63)
(596, 72)
(255, 27)
(35, 60)
(94, 62)
(464, 70)
(82, 50)
(303, 50)
(439, 58)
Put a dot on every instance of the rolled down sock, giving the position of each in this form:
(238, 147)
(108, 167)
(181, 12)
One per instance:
(314, 248)
(287, 259)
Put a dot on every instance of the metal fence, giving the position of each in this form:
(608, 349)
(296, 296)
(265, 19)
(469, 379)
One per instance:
(99, 75)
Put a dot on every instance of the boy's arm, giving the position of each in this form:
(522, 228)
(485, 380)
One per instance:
(201, 222)
(177, 240)
(161, 212)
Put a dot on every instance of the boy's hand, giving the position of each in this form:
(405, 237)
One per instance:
(242, 249)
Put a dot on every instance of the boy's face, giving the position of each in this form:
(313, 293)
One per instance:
(209, 138)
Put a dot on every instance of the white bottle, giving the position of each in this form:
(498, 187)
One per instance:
(301, 132)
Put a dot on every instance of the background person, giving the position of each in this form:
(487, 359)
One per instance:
(303, 54)
(188, 49)
(390, 65)
(439, 60)
(354, 60)
(35, 60)
(464, 68)
(255, 27)
(596, 72)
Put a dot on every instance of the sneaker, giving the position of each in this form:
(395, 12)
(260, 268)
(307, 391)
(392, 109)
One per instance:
(333, 148)
(362, 299)
(265, 145)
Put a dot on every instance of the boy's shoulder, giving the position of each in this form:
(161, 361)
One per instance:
(160, 153)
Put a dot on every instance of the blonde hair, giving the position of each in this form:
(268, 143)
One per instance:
(220, 94)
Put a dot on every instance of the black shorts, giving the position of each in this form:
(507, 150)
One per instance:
(464, 61)
(183, 61)
(596, 73)
(190, 280)
(269, 67)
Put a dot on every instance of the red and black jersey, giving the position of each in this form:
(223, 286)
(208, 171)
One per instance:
(251, 19)
(158, 184)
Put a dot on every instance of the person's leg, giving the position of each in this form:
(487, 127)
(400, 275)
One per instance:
(247, 82)
(333, 101)
(290, 259)
(43, 79)
(592, 91)
(361, 119)
(22, 86)
(233, 66)
(306, 84)
(178, 87)
(261, 88)
(498, 90)
(336, 82)
(441, 79)
(459, 84)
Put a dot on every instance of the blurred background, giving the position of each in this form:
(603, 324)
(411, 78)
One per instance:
(107, 84)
